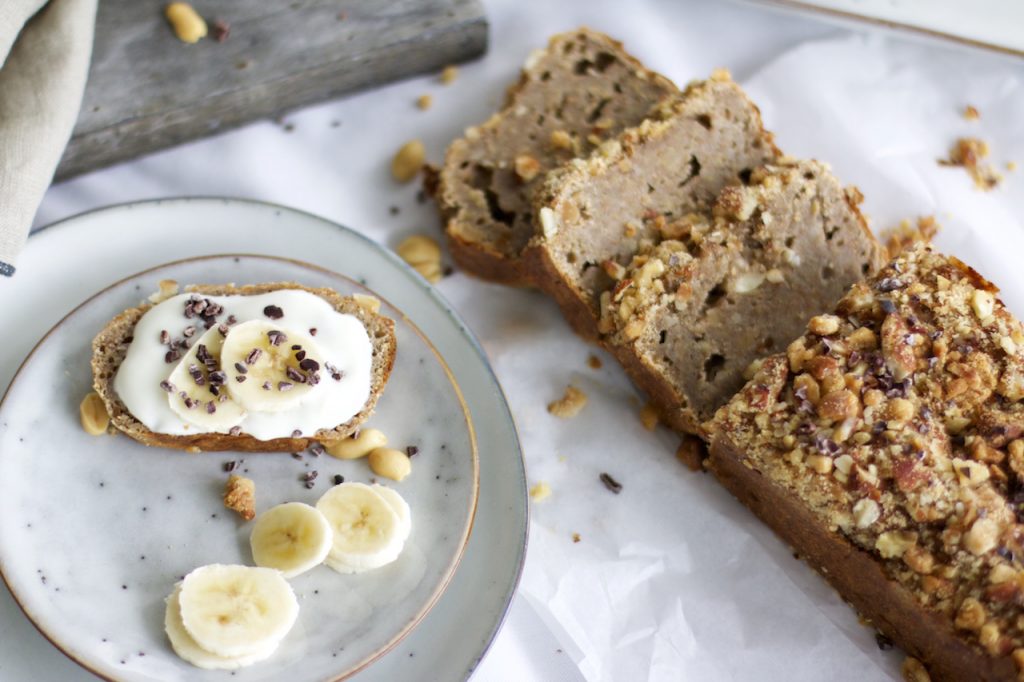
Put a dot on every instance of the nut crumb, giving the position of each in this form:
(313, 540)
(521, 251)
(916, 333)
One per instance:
(576, 537)
(594, 362)
(649, 416)
(570, 404)
(971, 113)
(906, 235)
(424, 102)
(527, 167)
(367, 302)
(540, 491)
(968, 153)
(449, 74)
(240, 496)
(560, 139)
(424, 255)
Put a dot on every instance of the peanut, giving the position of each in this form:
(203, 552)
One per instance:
(390, 463)
(424, 102)
(408, 161)
(449, 74)
(186, 22)
(423, 254)
(358, 446)
(93, 413)
(366, 302)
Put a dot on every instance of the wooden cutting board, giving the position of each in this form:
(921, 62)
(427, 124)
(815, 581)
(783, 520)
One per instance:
(147, 90)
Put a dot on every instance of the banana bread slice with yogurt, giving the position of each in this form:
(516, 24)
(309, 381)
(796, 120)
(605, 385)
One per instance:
(887, 447)
(688, 316)
(597, 211)
(582, 89)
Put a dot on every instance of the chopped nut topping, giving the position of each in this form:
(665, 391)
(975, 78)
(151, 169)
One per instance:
(968, 153)
(240, 496)
(527, 167)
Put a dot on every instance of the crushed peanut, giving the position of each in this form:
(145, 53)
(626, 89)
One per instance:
(570, 404)
(424, 255)
(914, 671)
(240, 496)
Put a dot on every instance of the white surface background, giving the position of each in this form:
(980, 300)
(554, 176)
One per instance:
(672, 579)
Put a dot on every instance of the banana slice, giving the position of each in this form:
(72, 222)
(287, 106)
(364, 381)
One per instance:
(291, 537)
(400, 506)
(186, 647)
(233, 611)
(196, 390)
(270, 368)
(368, 532)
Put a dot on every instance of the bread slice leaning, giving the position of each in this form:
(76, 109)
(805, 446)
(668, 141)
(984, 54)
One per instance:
(689, 315)
(594, 214)
(581, 90)
(111, 344)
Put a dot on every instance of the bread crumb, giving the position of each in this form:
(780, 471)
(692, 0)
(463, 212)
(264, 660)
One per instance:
(594, 362)
(971, 113)
(913, 670)
(424, 102)
(576, 537)
(540, 491)
(967, 153)
(906, 235)
(691, 452)
(240, 496)
(570, 404)
(649, 416)
(449, 74)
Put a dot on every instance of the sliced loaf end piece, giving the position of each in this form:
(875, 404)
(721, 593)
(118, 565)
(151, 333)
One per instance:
(689, 316)
(581, 90)
(594, 214)
(111, 344)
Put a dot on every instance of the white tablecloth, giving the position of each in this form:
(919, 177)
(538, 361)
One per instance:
(672, 579)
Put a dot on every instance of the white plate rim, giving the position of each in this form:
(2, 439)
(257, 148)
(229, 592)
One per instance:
(504, 412)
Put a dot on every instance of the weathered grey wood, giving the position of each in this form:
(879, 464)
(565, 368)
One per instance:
(147, 90)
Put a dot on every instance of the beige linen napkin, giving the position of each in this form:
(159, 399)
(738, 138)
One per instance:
(44, 52)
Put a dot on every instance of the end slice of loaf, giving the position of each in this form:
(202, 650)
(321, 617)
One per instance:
(594, 214)
(111, 344)
(688, 316)
(579, 91)
(885, 446)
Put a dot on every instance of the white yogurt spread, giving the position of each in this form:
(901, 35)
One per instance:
(341, 338)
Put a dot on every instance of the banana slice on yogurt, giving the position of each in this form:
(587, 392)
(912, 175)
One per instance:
(196, 389)
(270, 368)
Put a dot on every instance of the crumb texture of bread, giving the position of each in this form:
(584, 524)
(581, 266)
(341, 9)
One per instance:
(111, 344)
(582, 89)
(722, 289)
(886, 445)
(594, 214)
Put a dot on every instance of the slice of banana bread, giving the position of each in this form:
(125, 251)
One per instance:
(887, 447)
(579, 91)
(688, 316)
(596, 213)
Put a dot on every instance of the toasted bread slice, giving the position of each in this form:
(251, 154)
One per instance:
(582, 89)
(111, 344)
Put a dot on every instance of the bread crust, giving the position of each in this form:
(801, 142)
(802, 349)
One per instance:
(111, 344)
(856, 575)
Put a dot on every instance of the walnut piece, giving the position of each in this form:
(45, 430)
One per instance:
(240, 496)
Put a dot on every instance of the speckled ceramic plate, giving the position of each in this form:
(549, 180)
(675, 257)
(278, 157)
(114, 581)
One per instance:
(96, 530)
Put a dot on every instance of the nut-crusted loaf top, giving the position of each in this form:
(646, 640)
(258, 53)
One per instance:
(675, 163)
(111, 345)
(898, 422)
(730, 286)
(579, 91)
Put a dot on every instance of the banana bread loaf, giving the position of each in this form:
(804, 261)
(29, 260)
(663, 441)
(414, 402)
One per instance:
(886, 447)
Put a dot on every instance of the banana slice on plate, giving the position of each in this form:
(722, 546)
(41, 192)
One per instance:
(186, 647)
(232, 611)
(368, 532)
(270, 368)
(400, 506)
(291, 537)
(196, 387)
